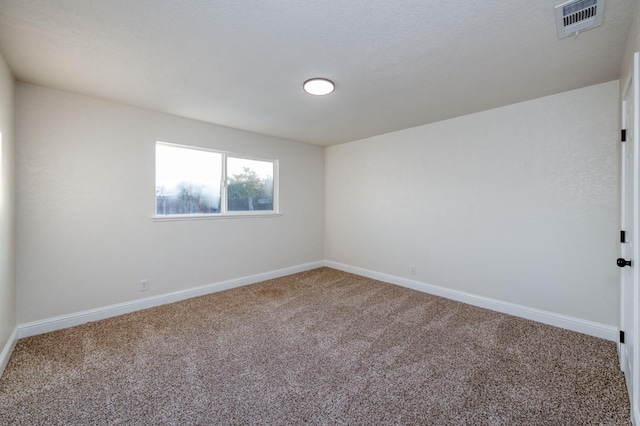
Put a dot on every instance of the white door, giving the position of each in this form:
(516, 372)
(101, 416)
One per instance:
(630, 256)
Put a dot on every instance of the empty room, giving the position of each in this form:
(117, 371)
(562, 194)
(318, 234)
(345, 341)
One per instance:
(285, 212)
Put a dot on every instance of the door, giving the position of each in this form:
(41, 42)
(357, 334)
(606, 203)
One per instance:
(630, 260)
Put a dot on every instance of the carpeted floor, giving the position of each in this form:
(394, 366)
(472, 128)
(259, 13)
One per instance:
(319, 347)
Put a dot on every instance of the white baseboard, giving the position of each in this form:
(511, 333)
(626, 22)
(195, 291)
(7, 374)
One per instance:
(70, 320)
(8, 350)
(557, 320)
(78, 318)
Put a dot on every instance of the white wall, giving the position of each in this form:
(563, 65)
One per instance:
(86, 193)
(517, 204)
(7, 208)
(633, 45)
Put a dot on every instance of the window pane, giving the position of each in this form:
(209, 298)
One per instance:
(188, 181)
(250, 184)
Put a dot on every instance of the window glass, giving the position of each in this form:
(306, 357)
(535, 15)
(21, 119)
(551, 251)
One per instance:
(195, 181)
(249, 184)
(188, 181)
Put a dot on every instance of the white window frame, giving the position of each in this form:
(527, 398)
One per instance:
(224, 212)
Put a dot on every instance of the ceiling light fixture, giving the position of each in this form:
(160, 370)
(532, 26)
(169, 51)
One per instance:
(318, 86)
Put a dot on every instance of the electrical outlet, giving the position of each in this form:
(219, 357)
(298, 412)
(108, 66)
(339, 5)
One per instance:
(144, 285)
(412, 270)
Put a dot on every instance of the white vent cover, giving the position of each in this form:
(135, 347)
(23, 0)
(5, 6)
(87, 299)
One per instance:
(578, 15)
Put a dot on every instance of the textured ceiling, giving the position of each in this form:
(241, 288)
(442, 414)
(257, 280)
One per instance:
(396, 64)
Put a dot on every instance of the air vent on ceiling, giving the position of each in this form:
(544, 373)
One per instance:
(576, 16)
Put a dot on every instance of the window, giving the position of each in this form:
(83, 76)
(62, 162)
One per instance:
(249, 184)
(188, 181)
(194, 181)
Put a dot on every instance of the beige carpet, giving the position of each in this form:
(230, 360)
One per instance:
(319, 347)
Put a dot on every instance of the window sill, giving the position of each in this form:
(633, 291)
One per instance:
(182, 217)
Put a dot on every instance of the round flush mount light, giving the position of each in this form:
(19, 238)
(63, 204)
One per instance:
(318, 86)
